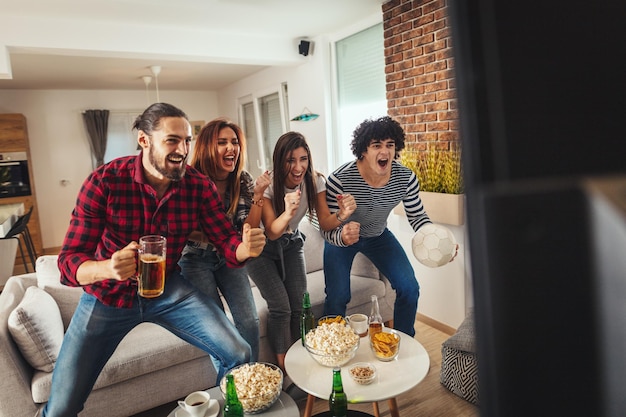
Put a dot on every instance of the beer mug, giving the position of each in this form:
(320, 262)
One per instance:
(151, 265)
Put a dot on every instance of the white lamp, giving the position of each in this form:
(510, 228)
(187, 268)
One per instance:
(156, 70)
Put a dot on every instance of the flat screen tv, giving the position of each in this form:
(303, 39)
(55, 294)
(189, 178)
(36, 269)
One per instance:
(542, 105)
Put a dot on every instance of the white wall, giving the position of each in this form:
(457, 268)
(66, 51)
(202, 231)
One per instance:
(308, 86)
(59, 146)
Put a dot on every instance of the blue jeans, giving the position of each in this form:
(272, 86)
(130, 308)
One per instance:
(389, 257)
(96, 330)
(207, 270)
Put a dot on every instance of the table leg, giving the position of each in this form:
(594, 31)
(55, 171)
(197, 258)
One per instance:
(393, 407)
(308, 408)
(376, 410)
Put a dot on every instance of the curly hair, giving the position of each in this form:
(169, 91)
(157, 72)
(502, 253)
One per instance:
(380, 129)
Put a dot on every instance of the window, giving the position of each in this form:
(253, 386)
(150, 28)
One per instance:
(263, 117)
(121, 140)
(360, 85)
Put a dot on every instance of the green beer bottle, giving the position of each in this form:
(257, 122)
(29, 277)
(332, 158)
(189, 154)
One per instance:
(338, 402)
(307, 319)
(232, 405)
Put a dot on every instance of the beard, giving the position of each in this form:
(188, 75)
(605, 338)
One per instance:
(173, 174)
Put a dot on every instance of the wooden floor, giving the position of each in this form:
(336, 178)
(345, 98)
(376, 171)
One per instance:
(428, 399)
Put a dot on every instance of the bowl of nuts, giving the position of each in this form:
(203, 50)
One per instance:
(385, 344)
(363, 373)
(332, 344)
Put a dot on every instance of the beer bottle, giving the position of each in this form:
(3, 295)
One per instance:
(232, 405)
(375, 320)
(307, 320)
(338, 402)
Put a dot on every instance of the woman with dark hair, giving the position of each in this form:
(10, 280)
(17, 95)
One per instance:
(279, 272)
(219, 153)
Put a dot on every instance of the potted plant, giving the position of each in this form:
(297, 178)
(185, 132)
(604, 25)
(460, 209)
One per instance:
(440, 174)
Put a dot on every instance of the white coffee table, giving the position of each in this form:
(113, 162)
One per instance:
(285, 406)
(394, 378)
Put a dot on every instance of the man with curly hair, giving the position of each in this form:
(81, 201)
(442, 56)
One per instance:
(378, 183)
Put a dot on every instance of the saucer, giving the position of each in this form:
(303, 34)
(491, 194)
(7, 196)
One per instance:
(212, 411)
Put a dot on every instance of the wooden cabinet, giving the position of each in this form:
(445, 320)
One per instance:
(14, 138)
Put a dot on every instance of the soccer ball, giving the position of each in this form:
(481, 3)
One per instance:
(433, 245)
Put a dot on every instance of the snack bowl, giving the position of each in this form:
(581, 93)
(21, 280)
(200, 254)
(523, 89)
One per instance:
(385, 345)
(333, 344)
(362, 373)
(258, 385)
(331, 319)
(332, 359)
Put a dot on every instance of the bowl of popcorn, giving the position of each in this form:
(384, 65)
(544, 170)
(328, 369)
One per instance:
(363, 373)
(258, 385)
(385, 344)
(332, 344)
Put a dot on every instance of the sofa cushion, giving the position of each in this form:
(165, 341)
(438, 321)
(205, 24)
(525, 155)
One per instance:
(313, 246)
(48, 274)
(67, 299)
(37, 329)
(147, 348)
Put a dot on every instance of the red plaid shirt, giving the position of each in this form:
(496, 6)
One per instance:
(116, 206)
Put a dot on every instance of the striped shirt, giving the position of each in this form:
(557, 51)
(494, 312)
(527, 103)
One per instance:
(374, 204)
(116, 205)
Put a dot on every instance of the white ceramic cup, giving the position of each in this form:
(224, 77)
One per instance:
(196, 404)
(359, 323)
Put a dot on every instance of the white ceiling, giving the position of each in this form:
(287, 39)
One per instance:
(199, 44)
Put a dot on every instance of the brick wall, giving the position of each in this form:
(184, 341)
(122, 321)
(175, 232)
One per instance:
(419, 68)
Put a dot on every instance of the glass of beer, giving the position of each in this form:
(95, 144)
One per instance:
(151, 265)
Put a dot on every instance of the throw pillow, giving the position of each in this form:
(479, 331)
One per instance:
(37, 328)
(48, 274)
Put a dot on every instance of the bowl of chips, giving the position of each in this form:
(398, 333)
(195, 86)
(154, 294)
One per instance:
(385, 344)
(331, 319)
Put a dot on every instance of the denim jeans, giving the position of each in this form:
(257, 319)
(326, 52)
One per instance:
(96, 330)
(280, 275)
(389, 257)
(207, 270)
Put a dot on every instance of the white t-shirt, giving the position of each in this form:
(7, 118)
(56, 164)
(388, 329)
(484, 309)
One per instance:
(320, 183)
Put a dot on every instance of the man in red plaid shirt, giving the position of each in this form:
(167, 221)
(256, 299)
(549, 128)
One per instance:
(153, 193)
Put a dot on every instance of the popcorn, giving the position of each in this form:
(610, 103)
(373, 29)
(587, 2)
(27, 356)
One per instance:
(257, 384)
(332, 344)
(332, 338)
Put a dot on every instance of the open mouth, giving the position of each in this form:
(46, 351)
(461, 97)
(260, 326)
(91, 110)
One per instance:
(383, 163)
(176, 159)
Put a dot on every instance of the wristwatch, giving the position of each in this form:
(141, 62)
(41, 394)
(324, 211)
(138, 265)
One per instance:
(258, 202)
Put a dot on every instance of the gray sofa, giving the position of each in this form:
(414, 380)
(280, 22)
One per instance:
(151, 366)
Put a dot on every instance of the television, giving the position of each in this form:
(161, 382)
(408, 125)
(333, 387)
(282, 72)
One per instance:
(542, 99)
